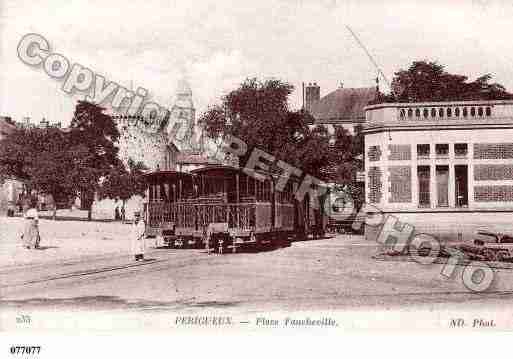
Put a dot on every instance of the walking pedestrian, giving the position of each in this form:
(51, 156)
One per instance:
(123, 212)
(30, 236)
(116, 213)
(138, 234)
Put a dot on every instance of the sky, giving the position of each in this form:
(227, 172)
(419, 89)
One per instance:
(217, 44)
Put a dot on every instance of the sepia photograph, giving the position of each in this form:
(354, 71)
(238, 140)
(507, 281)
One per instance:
(274, 166)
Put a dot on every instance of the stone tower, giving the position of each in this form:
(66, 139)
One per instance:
(184, 114)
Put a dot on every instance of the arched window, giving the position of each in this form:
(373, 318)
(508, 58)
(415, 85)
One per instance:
(440, 112)
(488, 111)
(449, 112)
(426, 112)
(465, 112)
(480, 111)
(457, 112)
(473, 111)
(433, 112)
(410, 112)
(417, 113)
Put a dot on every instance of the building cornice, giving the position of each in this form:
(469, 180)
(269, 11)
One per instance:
(438, 104)
(434, 125)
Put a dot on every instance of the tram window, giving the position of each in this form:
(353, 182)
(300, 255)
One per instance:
(441, 112)
(417, 113)
(167, 194)
(465, 112)
(480, 111)
(426, 112)
(264, 190)
(457, 112)
(163, 192)
(252, 187)
(449, 112)
(488, 111)
(473, 111)
(158, 193)
(433, 112)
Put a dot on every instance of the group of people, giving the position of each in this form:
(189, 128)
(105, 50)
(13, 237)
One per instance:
(119, 215)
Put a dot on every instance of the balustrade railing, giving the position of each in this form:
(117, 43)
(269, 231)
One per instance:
(446, 112)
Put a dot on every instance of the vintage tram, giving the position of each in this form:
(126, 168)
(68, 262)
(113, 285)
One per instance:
(166, 190)
(223, 207)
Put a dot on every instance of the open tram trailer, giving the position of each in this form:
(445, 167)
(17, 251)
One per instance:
(223, 207)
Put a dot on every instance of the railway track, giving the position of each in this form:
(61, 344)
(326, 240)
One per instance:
(182, 260)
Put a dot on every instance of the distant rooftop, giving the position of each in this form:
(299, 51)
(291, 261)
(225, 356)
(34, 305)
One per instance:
(343, 105)
(195, 159)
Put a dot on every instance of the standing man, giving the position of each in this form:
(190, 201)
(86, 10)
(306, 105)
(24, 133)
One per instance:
(138, 240)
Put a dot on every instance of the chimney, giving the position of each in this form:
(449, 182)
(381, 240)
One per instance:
(43, 123)
(312, 95)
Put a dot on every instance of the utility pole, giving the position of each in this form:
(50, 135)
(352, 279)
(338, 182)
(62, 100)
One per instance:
(370, 58)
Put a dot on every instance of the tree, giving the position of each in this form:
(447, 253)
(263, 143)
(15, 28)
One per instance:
(43, 159)
(121, 183)
(258, 114)
(64, 163)
(426, 81)
(93, 135)
(347, 160)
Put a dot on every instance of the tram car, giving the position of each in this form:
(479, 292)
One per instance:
(165, 191)
(223, 208)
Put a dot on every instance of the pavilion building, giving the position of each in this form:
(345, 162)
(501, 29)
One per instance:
(445, 168)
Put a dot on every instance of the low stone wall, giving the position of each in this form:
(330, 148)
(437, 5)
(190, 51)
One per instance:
(450, 226)
(9, 191)
(105, 208)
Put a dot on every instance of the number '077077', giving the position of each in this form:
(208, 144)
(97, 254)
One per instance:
(25, 349)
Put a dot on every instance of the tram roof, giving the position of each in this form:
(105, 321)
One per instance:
(232, 169)
(165, 174)
(226, 168)
(215, 167)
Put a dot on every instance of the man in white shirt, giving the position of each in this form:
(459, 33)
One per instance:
(138, 237)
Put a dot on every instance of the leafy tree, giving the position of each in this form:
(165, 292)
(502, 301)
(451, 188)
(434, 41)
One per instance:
(93, 134)
(426, 81)
(64, 163)
(121, 183)
(43, 158)
(347, 161)
(258, 114)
